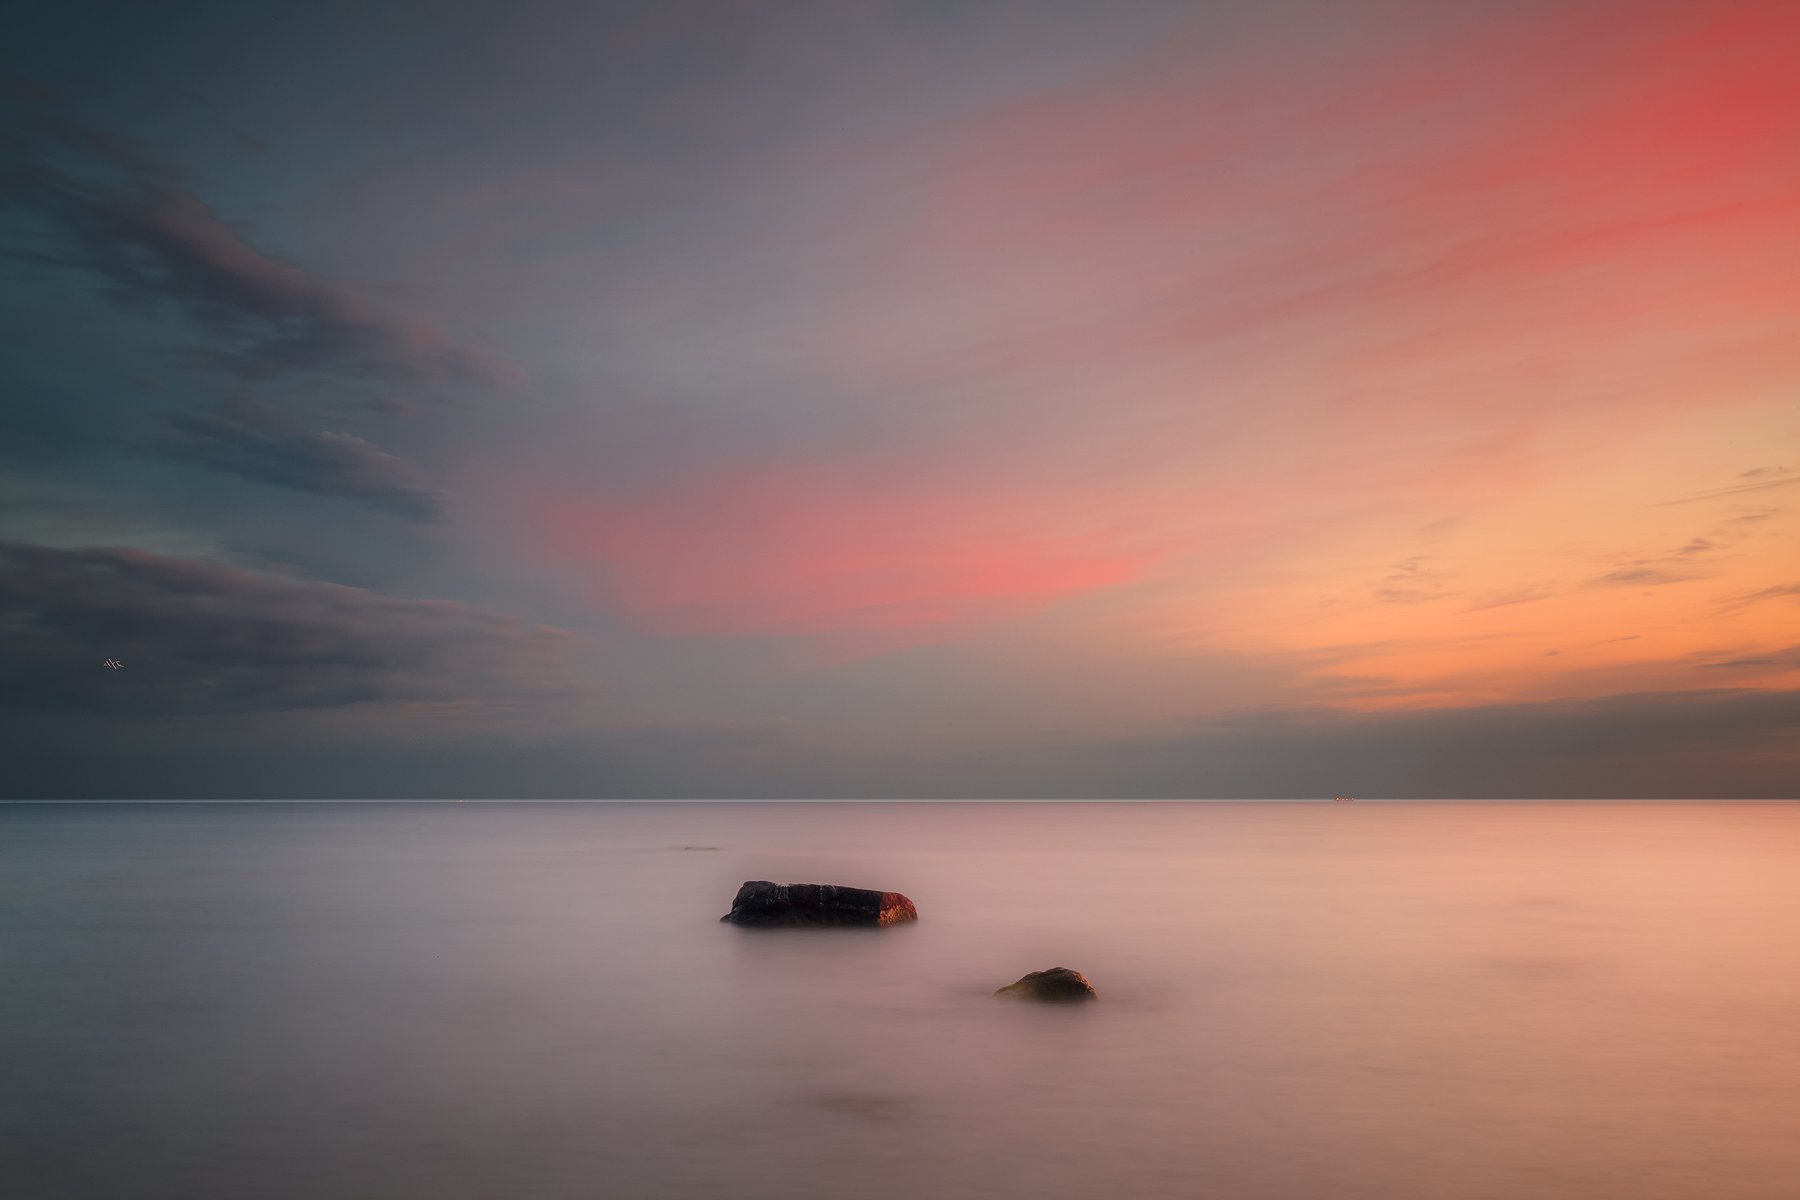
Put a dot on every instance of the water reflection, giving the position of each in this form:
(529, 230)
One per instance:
(1354, 1001)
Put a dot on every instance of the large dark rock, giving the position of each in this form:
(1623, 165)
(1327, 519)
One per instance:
(762, 903)
(1058, 985)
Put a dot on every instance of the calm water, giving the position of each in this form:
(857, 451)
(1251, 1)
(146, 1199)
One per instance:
(1382, 1001)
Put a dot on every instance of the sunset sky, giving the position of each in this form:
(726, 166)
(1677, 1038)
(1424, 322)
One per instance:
(1275, 398)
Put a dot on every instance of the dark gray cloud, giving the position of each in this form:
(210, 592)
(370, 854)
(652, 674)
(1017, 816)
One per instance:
(1780, 591)
(113, 212)
(1645, 576)
(1743, 600)
(246, 439)
(79, 201)
(1514, 596)
(198, 638)
(1760, 485)
(1784, 656)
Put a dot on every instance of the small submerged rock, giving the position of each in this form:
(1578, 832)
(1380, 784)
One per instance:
(1058, 985)
(761, 903)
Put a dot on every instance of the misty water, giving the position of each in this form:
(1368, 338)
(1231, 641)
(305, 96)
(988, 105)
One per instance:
(539, 1001)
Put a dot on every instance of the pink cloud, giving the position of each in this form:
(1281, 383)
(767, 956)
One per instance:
(808, 551)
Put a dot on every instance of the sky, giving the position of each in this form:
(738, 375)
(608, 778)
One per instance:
(1278, 398)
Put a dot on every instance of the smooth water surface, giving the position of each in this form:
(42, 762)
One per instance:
(538, 1001)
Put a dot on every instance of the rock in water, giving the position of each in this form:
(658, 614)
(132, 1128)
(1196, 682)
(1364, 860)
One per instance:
(1058, 985)
(760, 902)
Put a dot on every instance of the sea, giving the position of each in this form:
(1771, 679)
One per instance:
(1297, 1001)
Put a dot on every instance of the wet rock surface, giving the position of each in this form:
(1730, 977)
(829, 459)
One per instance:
(763, 904)
(1058, 985)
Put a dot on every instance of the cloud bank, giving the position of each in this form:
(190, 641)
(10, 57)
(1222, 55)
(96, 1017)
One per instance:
(245, 439)
(96, 206)
(201, 638)
(115, 213)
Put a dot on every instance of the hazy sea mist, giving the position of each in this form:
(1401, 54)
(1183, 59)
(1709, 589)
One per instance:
(538, 1001)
